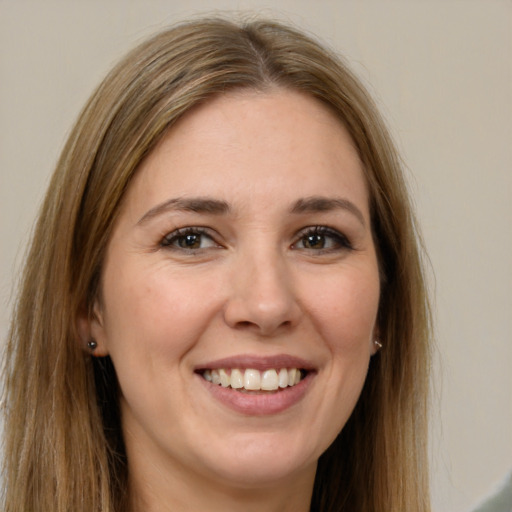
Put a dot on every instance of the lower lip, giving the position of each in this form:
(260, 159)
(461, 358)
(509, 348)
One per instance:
(259, 404)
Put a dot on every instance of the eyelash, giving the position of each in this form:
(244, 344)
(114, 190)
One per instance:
(170, 240)
(341, 242)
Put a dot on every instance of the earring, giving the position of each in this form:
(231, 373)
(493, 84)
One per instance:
(378, 344)
(91, 345)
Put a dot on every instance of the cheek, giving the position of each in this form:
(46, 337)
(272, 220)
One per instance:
(152, 312)
(346, 310)
(152, 322)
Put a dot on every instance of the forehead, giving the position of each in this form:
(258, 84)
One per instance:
(254, 143)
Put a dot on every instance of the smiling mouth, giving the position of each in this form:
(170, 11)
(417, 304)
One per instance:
(251, 380)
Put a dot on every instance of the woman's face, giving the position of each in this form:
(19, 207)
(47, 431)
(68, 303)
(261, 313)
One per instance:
(243, 254)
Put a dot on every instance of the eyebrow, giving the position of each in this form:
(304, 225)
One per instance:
(193, 204)
(209, 205)
(324, 204)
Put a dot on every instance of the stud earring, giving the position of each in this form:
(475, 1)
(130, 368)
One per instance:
(91, 345)
(378, 344)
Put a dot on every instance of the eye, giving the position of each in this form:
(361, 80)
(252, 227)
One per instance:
(322, 239)
(189, 239)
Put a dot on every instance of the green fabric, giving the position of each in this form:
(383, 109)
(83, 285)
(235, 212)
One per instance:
(501, 501)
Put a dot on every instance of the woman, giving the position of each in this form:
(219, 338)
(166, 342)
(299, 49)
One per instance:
(226, 243)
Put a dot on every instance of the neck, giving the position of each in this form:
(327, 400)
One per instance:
(153, 489)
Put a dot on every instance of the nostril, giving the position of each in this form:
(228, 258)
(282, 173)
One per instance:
(244, 324)
(264, 328)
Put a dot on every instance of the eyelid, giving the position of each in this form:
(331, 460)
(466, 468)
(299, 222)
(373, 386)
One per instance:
(167, 240)
(341, 239)
(338, 239)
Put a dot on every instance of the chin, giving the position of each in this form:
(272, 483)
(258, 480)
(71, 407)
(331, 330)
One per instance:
(261, 461)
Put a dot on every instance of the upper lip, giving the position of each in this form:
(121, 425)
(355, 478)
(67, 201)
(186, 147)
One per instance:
(256, 362)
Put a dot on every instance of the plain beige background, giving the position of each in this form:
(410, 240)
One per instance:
(442, 73)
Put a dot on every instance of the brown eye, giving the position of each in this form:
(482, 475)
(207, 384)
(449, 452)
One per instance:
(188, 239)
(314, 241)
(322, 238)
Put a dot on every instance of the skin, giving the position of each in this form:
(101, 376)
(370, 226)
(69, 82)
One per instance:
(256, 283)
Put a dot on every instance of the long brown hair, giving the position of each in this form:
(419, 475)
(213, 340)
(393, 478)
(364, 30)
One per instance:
(63, 447)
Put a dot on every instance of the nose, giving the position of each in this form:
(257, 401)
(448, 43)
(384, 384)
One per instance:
(262, 296)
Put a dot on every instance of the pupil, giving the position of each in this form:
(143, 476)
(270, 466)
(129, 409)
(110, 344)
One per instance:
(314, 241)
(190, 241)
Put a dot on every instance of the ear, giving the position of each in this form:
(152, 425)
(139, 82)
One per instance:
(90, 325)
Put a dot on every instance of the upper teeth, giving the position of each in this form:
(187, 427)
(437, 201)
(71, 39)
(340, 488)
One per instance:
(254, 380)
